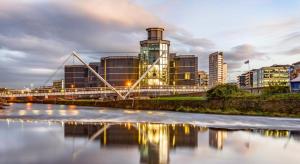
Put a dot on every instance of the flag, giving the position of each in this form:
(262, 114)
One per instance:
(247, 62)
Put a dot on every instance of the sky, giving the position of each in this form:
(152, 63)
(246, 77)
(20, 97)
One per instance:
(37, 35)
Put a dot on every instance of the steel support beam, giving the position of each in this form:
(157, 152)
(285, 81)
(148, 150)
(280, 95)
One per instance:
(97, 75)
(142, 77)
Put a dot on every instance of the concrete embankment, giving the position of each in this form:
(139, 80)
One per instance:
(288, 108)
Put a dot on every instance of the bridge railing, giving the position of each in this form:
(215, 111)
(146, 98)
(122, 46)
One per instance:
(100, 90)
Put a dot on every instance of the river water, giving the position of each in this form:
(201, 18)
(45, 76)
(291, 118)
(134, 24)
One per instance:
(37, 133)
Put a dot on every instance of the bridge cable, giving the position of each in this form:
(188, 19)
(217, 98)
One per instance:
(58, 69)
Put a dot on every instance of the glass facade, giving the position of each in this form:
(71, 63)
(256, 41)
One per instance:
(150, 51)
(119, 70)
(168, 69)
(183, 70)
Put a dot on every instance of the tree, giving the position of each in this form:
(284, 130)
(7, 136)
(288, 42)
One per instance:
(225, 91)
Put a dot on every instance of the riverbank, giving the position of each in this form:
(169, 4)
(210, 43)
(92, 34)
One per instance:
(233, 106)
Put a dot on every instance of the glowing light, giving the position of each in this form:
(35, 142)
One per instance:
(22, 112)
(75, 112)
(36, 112)
(49, 112)
(28, 106)
(62, 112)
(72, 107)
(128, 83)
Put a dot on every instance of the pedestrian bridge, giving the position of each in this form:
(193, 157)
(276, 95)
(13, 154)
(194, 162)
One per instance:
(121, 92)
(149, 91)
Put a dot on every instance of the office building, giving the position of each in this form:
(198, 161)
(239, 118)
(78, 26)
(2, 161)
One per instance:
(273, 75)
(120, 70)
(183, 70)
(79, 76)
(168, 69)
(203, 79)
(225, 68)
(58, 84)
(296, 69)
(265, 76)
(76, 76)
(151, 50)
(241, 81)
(217, 69)
(92, 80)
(249, 79)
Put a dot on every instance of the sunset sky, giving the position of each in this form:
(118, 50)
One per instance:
(37, 35)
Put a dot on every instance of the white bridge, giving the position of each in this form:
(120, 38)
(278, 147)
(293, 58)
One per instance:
(122, 93)
(167, 90)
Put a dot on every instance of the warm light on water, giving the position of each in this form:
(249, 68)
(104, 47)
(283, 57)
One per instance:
(76, 142)
(66, 134)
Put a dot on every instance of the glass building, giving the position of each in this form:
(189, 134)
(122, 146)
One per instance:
(152, 49)
(120, 71)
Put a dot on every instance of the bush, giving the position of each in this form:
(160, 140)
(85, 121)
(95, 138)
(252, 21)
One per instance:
(226, 91)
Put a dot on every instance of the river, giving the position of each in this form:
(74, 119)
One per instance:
(38, 133)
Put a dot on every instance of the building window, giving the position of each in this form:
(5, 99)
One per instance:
(187, 76)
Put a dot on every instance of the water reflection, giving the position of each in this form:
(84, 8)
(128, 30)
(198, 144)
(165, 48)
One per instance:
(104, 142)
(156, 141)
(153, 140)
(217, 138)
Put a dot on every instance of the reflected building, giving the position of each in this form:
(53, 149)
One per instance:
(217, 138)
(154, 141)
(273, 133)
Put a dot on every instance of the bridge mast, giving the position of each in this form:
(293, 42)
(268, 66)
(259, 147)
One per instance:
(143, 76)
(97, 75)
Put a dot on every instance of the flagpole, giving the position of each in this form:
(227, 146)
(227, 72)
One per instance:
(249, 65)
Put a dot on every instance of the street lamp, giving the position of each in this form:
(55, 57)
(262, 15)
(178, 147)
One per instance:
(128, 83)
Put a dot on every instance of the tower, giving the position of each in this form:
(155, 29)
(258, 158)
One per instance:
(150, 50)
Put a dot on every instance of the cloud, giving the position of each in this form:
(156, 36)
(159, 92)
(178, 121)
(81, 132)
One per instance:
(185, 38)
(37, 35)
(182, 40)
(242, 53)
(292, 37)
(10, 56)
(294, 51)
(44, 32)
(237, 55)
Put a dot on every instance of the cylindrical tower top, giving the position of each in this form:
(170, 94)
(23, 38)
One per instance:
(155, 33)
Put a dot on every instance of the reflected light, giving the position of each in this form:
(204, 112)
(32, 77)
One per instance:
(72, 107)
(74, 112)
(28, 106)
(22, 112)
(49, 112)
(62, 112)
(36, 112)
(49, 106)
